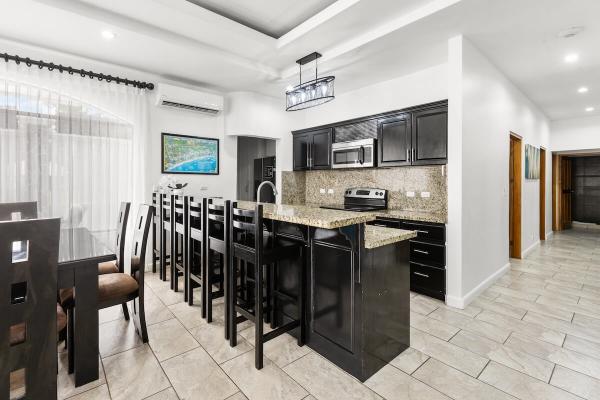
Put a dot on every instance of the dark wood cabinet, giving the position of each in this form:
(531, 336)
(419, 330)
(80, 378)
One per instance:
(394, 140)
(430, 136)
(312, 150)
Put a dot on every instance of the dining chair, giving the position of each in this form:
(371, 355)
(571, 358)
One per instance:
(29, 322)
(17, 211)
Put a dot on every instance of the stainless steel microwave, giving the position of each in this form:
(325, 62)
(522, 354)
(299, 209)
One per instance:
(353, 154)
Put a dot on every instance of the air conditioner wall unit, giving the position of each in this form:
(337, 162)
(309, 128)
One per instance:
(187, 99)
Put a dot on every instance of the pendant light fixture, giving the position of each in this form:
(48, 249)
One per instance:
(310, 93)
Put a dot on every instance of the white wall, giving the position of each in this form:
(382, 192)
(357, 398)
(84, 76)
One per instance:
(485, 107)
(575, 134)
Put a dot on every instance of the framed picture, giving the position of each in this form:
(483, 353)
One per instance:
(532, 162)
(182, 154)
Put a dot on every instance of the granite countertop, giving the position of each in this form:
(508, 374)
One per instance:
(310, 215)
(423, 216)
(377, 236)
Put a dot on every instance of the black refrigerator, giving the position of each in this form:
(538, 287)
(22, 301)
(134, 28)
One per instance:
(264, 170)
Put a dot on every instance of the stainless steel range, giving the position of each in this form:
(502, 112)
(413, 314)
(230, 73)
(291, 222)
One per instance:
(362, 199)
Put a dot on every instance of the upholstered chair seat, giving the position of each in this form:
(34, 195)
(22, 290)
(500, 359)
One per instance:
(18, 332)
(112, 287)
(108, 267)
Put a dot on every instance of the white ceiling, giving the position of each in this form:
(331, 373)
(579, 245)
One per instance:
(362, 41)
(273, 18)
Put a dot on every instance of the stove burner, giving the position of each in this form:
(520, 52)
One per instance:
(362, 200)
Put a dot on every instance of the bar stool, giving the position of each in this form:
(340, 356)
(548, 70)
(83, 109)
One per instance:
(249, 242)
(217, 219)
(165, 234)
(179, 240)
(156, 205)
(195, 250)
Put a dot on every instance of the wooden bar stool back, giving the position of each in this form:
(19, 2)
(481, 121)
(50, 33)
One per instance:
(263, 249)
(195, 250)
(217, 250)
(179, 242)
(165, 234)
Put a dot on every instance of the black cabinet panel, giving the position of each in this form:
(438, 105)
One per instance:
(427, 232)
(394, 135)
(320, 150)
(301, 155)
(428, 253)
(430, 136)
(333, 294)
(428, 280)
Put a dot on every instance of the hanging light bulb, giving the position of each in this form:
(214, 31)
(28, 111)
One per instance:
(311, 93)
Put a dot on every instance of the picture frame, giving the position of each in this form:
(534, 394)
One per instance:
(532, 162)
(189, 155)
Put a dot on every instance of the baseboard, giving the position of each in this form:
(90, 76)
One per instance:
(529, 249)
(462, 302)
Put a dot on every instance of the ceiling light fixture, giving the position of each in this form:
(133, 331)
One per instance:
(589, 109)
(571, 58)
(311, 93)
(583, 89)
(108, 35)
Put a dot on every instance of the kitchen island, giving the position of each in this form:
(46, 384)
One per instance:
(358, 289)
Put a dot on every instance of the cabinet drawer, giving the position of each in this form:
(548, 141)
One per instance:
(428, 280)
(427, 253)
(426, 232)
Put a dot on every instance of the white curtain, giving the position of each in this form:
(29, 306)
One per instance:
(73, 144)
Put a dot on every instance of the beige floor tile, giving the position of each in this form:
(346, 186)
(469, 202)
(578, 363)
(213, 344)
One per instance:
(66, 383)
(284, 350)
(189, 316)
(409, 360)
(110, 314)
(500, 308)
(516, 325)
(393, 384)
(558, 355)
(99, 393)
(156, 311)
(515, 359)
(423, 305)
(212, 338)
(520, 385)
(518, 294)
(241, 396)
(582, 346)
(433, 326)
(168, 296)
(268, 383)
(586, 321)
(134, 374)
(117, 336)
(576, 383)
(326, 381)
(168, 394)
(195, 375)
(583, 308)
(482, 328)
(456, 384)
(169, 338)
(448, 353)
(536, 307)
(585, 332)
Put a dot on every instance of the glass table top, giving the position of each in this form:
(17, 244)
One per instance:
(78, 244)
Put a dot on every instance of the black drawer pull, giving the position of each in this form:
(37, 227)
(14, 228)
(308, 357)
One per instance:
(420, 274)
(425, 232)
(421, 251)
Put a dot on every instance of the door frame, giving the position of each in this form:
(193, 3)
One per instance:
(542, 193)
(515, 205)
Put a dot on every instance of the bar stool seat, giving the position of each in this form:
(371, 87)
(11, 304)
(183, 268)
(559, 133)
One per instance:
(108, 267)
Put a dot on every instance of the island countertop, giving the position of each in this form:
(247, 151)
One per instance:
(377, 236)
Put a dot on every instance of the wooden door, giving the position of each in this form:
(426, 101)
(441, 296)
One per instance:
(394, 141)
(514, 229)
(542, 194)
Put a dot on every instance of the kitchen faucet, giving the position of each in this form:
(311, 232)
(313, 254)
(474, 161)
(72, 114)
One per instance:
(260, 187)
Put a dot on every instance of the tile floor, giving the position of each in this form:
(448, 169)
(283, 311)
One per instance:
(535, 334)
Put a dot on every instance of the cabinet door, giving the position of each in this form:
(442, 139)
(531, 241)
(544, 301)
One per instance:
(301, 155)
(393, 137)
(333, 303)
(430, 136)
(320, 150)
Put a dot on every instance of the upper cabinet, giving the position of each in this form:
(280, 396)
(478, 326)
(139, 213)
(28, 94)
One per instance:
(312, 149)
(413, 136)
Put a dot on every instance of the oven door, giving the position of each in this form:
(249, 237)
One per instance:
(357, 154)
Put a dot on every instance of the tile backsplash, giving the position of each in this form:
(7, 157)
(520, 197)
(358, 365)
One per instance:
(428, 183)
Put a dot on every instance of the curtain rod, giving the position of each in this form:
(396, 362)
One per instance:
(61, 68)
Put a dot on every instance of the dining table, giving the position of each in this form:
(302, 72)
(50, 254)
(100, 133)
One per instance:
(80, 252)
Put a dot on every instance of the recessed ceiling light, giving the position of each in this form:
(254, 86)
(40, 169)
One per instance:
(583, 89)
(571, 58)
(108, 35)
(589, 109)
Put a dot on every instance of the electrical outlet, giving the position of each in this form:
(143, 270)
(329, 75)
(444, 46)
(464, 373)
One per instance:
(425, 195)
(322, 191)
(204, 188)
(330, 191)
(410, 194)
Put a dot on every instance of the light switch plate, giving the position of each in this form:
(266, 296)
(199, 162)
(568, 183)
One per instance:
(425, 194)
(330, 191)
(322, 191)
(410, 194)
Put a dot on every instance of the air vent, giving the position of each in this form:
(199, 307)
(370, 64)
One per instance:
(168, 103)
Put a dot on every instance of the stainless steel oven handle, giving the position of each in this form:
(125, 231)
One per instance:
(421, 251)
(420, 274)
(361, 158)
